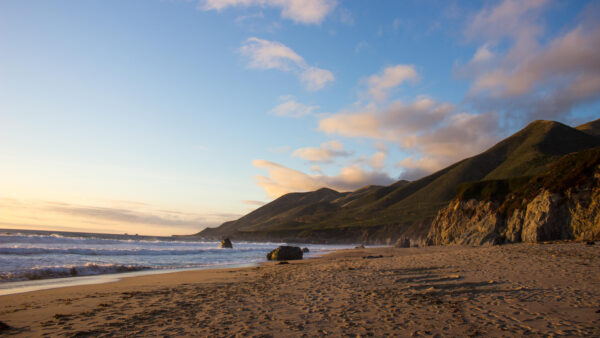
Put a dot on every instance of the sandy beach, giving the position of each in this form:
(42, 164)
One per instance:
(510, 290)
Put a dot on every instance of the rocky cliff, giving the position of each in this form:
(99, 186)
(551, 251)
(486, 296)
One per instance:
(563, 203)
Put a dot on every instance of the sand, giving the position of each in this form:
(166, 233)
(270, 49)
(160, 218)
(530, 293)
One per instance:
(511, 290)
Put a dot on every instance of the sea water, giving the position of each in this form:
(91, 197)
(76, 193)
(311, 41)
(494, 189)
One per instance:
(29, 258)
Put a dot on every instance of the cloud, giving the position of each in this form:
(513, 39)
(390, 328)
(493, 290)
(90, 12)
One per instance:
(435, 133)
(483, 54)
(130, 217)
(291, 108)
(324, 154)
(388, 123)
(299, 11)
(433, 130)
(379, 85)
(315, 78)
(415, 168)
(282, 180)
(510, 18)
(531, 79)
(255, 203)
(265, 54)
(377, 160)
(458, 136)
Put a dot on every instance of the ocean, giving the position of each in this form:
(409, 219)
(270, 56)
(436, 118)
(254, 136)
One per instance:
(34, 260)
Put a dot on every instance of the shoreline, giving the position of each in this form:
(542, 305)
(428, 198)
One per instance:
(514, 289)
(23, 286)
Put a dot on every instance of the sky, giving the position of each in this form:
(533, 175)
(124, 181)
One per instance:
(163, 117)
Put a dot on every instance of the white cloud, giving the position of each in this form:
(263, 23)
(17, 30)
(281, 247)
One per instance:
(316, 78)
(388, 123)
(510, 18)
(459, 136)
(483, 54)
(299, 11)
(282, 180)
(265, 54)
(326, 153)
(254, 203)
(391, 77)
(291, 108)
(433, 131)
(316, 169)
(536, 80)
(377, 161)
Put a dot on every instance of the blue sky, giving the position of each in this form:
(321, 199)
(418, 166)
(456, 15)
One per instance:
(163, 117)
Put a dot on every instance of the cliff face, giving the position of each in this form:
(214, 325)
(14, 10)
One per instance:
(484, 184)
(570, 214)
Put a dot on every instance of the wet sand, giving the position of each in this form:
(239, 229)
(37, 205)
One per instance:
(511, 290)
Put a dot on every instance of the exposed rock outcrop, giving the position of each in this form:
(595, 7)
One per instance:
(571, 214)
(403, 242)
(285, 253)
(226, 244)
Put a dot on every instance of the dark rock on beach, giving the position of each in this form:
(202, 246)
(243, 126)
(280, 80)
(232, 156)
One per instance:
(4, 327)
(226, 244)
(372, 257)
(403, 242)
(284, 253)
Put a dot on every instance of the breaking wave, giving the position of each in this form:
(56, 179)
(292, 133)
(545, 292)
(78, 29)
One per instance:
(88, 269)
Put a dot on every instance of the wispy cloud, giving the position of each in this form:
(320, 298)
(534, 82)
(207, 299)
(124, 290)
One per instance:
(534, 79)
(289, 107)
(387, 123)
(435, 133)
(254, 203)
(299, 11)
(282, 180)
(132, 217)
(377, 160)
(265, 54)
(391, 77)
(327, 152)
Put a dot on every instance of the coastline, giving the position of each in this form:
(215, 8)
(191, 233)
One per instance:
(17, 287)
(502, 290)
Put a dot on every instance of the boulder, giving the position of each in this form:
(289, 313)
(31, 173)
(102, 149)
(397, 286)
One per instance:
(305, 250)
(403, 242)
(285, 253)
(226, 244)
(4, 327)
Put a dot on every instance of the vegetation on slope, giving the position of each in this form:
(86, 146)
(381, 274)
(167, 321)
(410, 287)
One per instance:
(571, 170)
(408, 206)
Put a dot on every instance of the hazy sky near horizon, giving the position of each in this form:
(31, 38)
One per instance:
(165, 116)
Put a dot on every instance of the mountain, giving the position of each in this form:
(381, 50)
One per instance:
(563, 202)
(381, 214)
(591, 128)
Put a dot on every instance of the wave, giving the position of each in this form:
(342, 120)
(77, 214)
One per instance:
(115, 251)
(60, 239)
(88, 269)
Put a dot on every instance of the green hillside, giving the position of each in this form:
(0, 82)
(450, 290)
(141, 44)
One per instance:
(406, 207)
